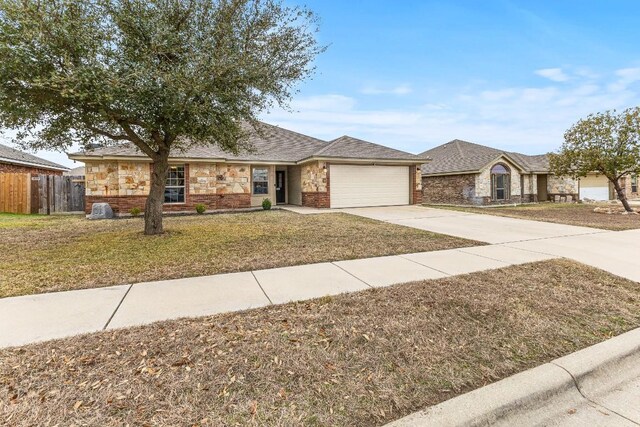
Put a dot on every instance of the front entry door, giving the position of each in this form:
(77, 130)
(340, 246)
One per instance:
(281, 190)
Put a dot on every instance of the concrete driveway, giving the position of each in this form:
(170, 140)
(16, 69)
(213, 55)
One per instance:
(614, 251)
(485, 228)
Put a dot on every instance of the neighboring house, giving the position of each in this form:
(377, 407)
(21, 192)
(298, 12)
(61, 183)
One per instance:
(15, 161)
(77, 171)
(284, 166)
(630, 185)
(598, 187)
(464, 173)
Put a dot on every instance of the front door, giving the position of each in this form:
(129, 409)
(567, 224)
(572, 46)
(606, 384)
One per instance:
(281, 191)
(542, 188)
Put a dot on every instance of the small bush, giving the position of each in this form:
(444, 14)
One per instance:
(266, 204)
(200, 208)
(135, 211)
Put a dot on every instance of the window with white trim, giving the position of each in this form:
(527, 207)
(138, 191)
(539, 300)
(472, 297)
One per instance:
(174, 191)
(260, 181)
(634, 183)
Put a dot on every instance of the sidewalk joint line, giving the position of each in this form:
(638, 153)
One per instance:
(353, 275)
(117, 307)
(575, 383)
(506, 245)
(427, 266)
(508, 264)
(261, 288)
(591, 233)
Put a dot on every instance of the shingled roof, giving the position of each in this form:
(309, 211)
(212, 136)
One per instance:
(272, 144)
(348, 147)
(459, 156)
(17, 157)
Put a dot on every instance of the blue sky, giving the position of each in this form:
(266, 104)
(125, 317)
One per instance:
(510, 74)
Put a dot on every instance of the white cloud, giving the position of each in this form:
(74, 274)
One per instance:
(403, 89)
(553, 74)
(330, 102)
(626, 76)
(529, 119)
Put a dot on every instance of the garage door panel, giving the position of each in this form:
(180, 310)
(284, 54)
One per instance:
(357, 186)
(594, 188)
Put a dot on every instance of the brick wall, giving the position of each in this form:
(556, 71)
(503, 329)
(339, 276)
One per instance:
(450, 189)
(460, 190)
(316, 200)
(12, 168)
(123, 204)
(625, 183)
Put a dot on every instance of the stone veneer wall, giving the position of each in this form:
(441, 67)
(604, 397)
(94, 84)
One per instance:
(483, 185)
(134, 178)
(562, 186)
(530, 185)
(102, 179)
(416, 184)
(315, 185)
(125, 185)
(13, 168)
(206, 178)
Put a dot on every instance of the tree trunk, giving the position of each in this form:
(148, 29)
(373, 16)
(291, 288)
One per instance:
(153, 207)
(621, 195)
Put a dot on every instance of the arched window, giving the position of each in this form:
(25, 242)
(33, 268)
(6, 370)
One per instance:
(500, 182)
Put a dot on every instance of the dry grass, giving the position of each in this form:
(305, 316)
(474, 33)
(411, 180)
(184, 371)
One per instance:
(562, 213)
(52, 253)
(358, 359)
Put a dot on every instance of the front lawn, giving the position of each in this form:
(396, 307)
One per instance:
(357, 359)
(580, 214)
(53, 253)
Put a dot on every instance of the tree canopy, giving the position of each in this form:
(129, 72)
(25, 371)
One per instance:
(160, 74)
(605, 143)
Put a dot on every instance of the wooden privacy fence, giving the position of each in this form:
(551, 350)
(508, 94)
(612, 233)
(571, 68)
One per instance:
(15, 193)
(43, 194)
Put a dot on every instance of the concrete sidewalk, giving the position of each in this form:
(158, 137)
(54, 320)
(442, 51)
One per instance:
(597, 386)
(33, 318)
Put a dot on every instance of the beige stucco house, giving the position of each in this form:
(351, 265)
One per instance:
(284, 166)
(465, 173)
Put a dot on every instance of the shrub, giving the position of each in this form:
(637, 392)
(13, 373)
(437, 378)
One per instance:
(200, 208)
(135, 211)
(266, 204)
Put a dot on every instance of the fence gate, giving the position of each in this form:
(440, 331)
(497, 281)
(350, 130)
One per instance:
(15, 193)
(58, 193)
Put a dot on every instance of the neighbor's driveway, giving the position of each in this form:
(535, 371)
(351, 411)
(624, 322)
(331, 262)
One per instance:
(617, 252)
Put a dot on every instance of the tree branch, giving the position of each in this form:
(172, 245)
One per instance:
(109, 135)
(139, 142)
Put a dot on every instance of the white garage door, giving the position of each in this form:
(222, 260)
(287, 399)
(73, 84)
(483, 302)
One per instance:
(356, 186)
(594, 188)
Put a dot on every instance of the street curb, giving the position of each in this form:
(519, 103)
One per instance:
(560, 380)
(597, 360)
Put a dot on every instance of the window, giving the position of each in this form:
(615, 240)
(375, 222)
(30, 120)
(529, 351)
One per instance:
(500, 182)
(260, 179)
(634, 183)
(174, 190)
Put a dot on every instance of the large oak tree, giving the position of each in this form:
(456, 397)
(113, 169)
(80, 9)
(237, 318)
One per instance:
(605, 143)
(161, 74)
